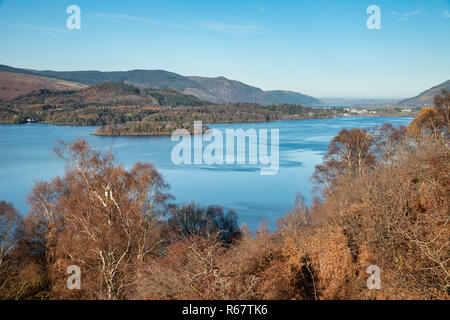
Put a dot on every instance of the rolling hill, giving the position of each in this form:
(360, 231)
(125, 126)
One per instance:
(13, 85)
(106, 94)
(425, 98)
(223, 90)
(217, 90)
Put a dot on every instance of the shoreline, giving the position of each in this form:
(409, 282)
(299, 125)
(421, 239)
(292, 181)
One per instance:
(169, 134)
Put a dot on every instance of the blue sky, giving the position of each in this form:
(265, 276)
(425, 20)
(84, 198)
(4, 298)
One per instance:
(321, 48)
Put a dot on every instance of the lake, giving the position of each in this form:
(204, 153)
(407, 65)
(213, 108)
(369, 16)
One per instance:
(26, 155)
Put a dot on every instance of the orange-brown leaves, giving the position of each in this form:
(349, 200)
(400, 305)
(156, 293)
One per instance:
(100, 217)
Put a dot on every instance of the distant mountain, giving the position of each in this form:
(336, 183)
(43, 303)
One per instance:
(217, 90)
(283, 96)
(425, 98)
(223, 90)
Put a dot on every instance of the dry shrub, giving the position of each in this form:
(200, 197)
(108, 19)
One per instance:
(395, 217)
(189, 269)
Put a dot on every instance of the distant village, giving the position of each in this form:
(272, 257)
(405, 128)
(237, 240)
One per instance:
(350, 112)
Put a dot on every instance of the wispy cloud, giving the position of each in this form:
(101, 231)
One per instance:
(124, 17)
(232, 28)
(40, 28)
(406, 15)
(446, 14)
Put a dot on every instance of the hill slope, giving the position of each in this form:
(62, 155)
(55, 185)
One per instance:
(217, 90)
(13, 85)
(425, 98)
(224, 90)
(107, 94)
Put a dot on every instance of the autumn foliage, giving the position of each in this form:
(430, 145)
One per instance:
(382, 199)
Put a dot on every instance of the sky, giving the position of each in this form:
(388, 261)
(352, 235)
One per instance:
(322, 48)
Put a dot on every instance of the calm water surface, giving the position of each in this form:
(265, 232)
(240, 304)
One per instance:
(26, 156)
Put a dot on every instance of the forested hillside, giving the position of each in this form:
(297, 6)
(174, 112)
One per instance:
(105, 103)
(122, 109)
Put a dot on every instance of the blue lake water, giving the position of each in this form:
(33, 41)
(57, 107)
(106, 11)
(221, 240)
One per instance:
(26, 156)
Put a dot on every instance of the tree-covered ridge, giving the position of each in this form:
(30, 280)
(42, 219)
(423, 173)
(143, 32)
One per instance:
(105, 103)
(145, 128)
(119, 108)
(106, 93)
(165, 120)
